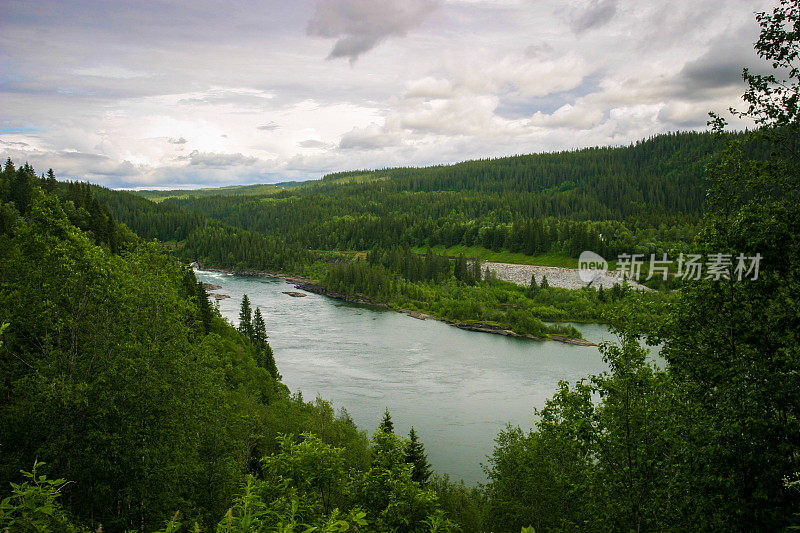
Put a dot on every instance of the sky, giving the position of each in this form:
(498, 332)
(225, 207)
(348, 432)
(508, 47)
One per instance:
(180, 94)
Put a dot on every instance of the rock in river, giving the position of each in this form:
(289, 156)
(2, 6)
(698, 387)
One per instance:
(295, 294)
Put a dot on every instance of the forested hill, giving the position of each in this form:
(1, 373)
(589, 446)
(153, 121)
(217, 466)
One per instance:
(647, 197)
(663, 171)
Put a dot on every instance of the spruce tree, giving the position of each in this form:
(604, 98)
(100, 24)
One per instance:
(259, 329)
(246, 318)
(266, 359)
(545, 284)
(264, 355)
(416, 456)
(50, 184)
(476, 270)
(204, 306)
(386, 424)
(533, 288)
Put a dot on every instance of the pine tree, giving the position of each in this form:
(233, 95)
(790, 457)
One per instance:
(258, 334)
(246, 318)
(545, 284)
(259, 329)
(266, 359)
(49, 183)
(533, 288)
(386, 424)
(204, 305)
(416, 456)
(460, 268)
(476, 270)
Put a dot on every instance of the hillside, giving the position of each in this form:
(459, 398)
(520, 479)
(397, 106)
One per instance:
(158, 196)
(647, 197)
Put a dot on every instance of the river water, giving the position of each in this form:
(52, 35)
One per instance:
(457, 388)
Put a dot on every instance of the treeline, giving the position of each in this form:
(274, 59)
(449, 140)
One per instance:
(223, 246)
(147, 219)
(199, 238)
(362, 220)
(83, 210)
(644, 198)
(454, 290)
(430, 267)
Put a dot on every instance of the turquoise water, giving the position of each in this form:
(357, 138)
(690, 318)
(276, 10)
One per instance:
(457, 388)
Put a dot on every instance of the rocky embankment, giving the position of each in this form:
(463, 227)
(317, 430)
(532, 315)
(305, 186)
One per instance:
(566, 278)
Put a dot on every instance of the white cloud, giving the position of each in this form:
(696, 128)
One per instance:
(568, 116)
(429, 87)
(157, 96)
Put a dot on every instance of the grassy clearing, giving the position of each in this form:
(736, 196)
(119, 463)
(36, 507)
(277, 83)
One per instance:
(556, 260)
(232, 190)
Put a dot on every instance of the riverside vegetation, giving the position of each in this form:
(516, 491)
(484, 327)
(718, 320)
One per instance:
(155, 404)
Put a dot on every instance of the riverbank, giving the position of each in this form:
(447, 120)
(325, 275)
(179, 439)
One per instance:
(314, 287)
(565, 278)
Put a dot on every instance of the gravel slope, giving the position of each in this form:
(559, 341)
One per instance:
(566, 278)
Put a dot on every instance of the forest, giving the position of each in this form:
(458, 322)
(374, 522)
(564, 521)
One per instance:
(130, 404)
(646, 197)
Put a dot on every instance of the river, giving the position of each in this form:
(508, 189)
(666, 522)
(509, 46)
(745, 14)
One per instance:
(457, 388)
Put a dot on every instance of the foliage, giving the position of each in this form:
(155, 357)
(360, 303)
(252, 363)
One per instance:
(153, 402)
(502, 304)
(34, 507)
(740, 415)
(588, 465)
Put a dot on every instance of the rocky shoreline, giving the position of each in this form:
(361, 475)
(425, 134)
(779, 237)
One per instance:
(308, 285)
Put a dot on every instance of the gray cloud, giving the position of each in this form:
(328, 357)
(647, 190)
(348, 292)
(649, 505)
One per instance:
(213, 159)
(312, 143)
(542, 49)
(19, 144)
(372, 137)
(720, 67)
(81, 156)
(179, 140)
(594, 15)
(360, 25)
(270, 126)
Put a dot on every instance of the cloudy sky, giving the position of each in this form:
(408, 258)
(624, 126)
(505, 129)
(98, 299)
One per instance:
(185, 93)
